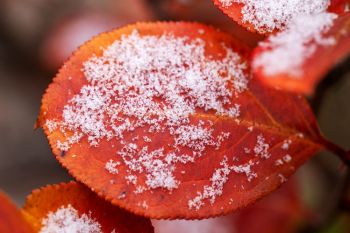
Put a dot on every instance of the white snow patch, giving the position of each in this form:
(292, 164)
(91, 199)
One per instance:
(261, 148)
(286, 144)
(271, 15)
(287, 158)
(226, 3)
(67, 220)
(215, 189)
(286, 52)
(111, 166)
(218, 180)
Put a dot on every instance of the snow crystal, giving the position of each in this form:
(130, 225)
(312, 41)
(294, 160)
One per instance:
(211, 192)
(201, 31)
(282, 178)
(122, 195)
(286, 144)
(279, 162)
(111, 166)
(140, 189)
(226, 3)
(147, 139)
(51, 125)
(287, 158)
(197, 137)
(234, 111)
(67, 220)
(270, 15)
(143, 204)
(262, 148)
(154, 82)
(218, 180)
(286, 51)
(247, 150)
(246, 169)
(131, 179)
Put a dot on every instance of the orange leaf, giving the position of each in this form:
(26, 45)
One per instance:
(77, 205)
(265, 17)
(11, 219)
(321, 58)
(162, 119)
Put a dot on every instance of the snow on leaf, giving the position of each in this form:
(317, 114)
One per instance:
(67, 219)
(11, 219)
(72, 207)
(266, 16)
(170, 117)
(218, 180)
(266, 216)
(298, 58)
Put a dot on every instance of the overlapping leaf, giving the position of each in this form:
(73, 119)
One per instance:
(11, 219)
(80, 201)
(314, 68)
(209, 164)
(246, 12)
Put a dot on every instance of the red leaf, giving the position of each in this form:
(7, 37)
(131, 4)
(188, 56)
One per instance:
(76, 204)
(11, 219)
(321, 58)
(266, 17)
(215, 160)
(282, 211)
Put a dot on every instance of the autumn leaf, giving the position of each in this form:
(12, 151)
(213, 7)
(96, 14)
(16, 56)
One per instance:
(282, 211)
(11, 219)
(164, 120)
(72, 207)
(297, 59)
(265, 17)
